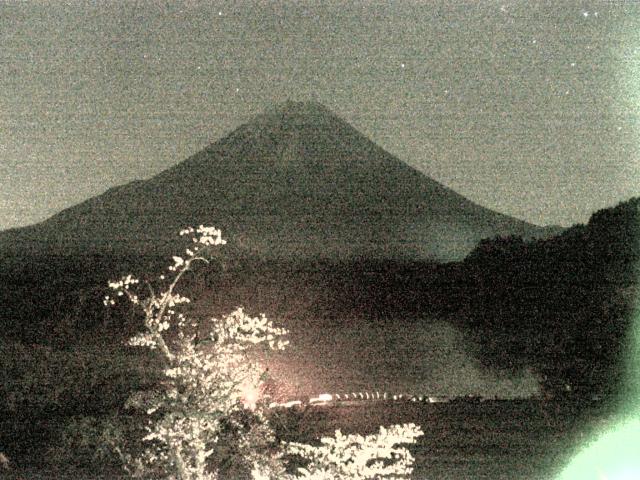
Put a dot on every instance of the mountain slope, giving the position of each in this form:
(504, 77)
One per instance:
(296, 183)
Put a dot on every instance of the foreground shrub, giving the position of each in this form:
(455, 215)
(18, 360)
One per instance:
(359, 457)
(208, 419)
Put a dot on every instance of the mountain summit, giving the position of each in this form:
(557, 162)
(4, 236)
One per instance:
(295, 183)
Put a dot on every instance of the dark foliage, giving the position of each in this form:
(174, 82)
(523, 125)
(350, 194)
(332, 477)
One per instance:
(563, 305)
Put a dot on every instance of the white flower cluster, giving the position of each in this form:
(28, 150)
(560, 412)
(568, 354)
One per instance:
(177, 262)
(177, 299)
(359, 457)
(142, 340)
(242, 331)
(205, 235)
(121, 287)
(124, 282)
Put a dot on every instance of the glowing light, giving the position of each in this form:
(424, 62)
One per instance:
(613, 456)
(250, 395)
(323, 397)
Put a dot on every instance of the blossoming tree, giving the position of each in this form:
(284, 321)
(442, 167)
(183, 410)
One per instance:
(208, 409)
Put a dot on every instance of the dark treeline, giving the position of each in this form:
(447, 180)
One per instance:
(562, 305)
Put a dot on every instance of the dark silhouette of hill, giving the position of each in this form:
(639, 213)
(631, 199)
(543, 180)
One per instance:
(563, 305)
(296, 186)
(295, 183)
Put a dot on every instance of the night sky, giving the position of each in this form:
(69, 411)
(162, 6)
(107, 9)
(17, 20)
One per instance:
(529, 108)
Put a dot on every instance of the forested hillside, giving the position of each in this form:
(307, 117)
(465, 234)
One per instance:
(563, 305)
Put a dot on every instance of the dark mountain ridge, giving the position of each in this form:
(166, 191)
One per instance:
(295, 189)
(297, 182)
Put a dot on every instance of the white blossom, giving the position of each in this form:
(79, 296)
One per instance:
(142, 340)
(359, 457)
(210, 385)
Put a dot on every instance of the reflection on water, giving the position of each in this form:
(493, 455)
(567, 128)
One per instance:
(430, 358)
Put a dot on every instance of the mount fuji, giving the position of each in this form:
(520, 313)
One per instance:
(295, 183)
